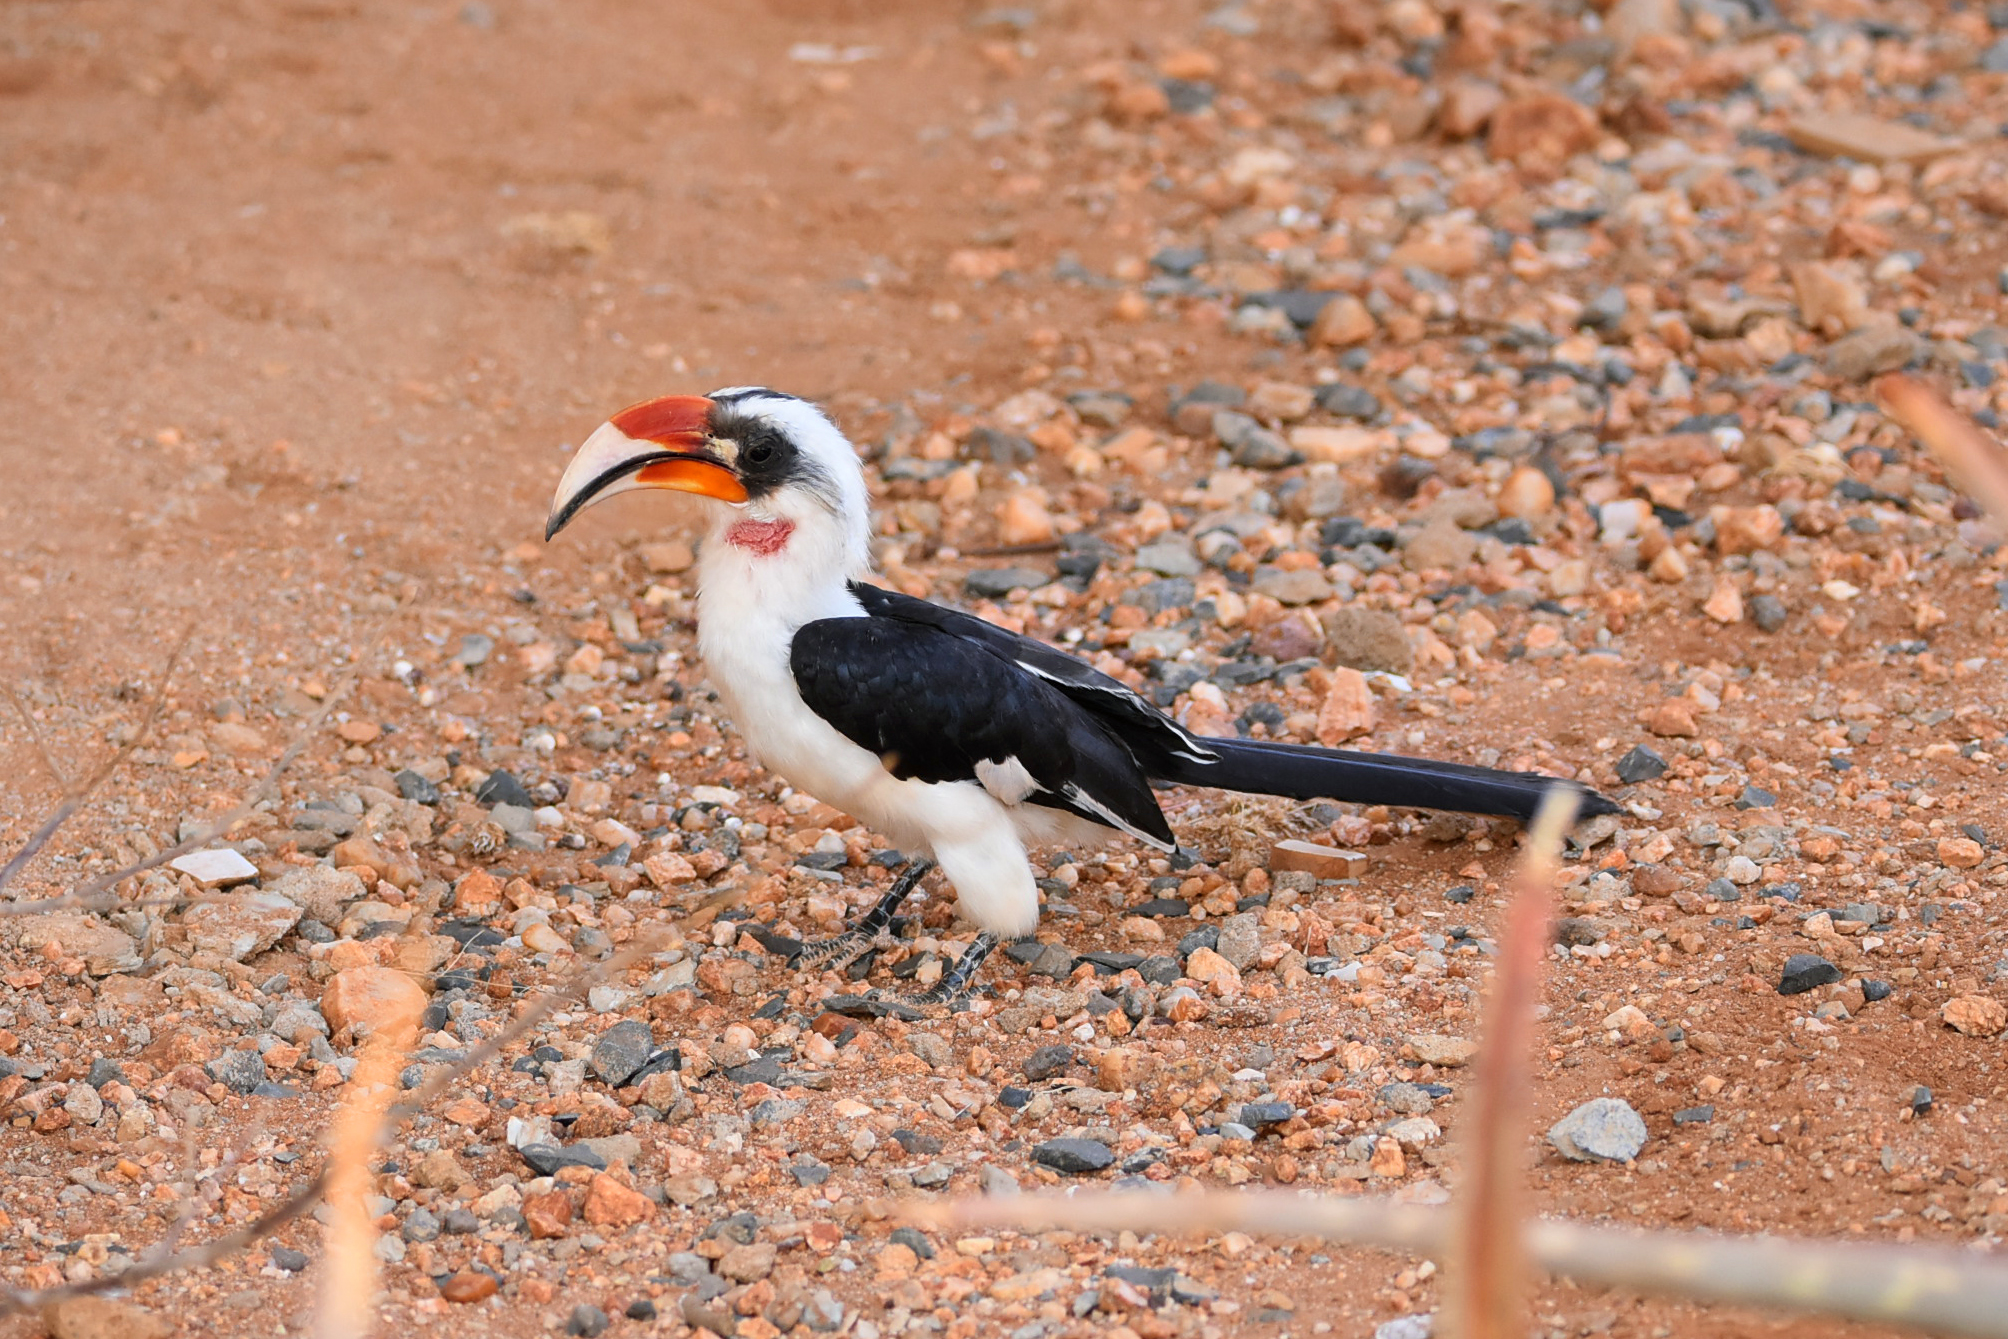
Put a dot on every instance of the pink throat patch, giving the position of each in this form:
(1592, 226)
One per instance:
(765, 538)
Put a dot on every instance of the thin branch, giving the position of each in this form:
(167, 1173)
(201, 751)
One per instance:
(1946, 1290)
(1974, 460)
(646, 942)
(93, 895)
(1486, 1286)
(40, 740)
(74, 796)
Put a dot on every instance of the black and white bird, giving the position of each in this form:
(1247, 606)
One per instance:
(959, 741)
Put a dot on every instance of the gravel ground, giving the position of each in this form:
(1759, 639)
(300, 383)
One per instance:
(1484, 383)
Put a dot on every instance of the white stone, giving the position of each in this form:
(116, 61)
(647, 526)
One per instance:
(219, 868)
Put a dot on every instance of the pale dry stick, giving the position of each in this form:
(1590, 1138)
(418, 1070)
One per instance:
(1939, 1289)
(1975, 461)
(1485, 1288)
(35, 734)
(93, 895)
(349, 1275)
(75, 795)
(646, 942)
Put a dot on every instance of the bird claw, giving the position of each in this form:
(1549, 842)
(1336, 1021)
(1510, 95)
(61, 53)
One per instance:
(936, 998)
(836, 952)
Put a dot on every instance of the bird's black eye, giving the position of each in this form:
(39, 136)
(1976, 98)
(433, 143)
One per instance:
(758, 452)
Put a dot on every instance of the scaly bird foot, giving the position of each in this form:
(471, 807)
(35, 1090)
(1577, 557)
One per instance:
(837, 952)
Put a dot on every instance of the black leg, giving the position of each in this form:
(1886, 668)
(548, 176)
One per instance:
(841, 950)
(954, 983)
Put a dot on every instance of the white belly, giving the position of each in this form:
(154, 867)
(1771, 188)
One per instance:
(744, 632)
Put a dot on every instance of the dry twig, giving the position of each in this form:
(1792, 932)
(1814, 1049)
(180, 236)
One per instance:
(1927, 1287)
(1974, 460)
(646, 942)
(1486, 1285)
(349, 1276)
(74, 795)
(95, 895)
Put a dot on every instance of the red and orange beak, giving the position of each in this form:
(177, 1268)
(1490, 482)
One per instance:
(661, 443)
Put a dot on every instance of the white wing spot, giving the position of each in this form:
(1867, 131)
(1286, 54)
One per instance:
(1007, 780)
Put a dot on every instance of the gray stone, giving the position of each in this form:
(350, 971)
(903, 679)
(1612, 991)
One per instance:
(1047, 1061)
(105, 949)
(1240, 939)
(1302, 585)
(1768, 612)
(1367, 639)
(1641, 764)
(1348, 401)
(412, 786)
(239, 1071)
(1806, 971)
(1407, 1327)
(1870, 350)
(1076, 1156)
(996, 1181)
(1054, 961)
(236, 926)
(1251, 445)
(1603, 1130)
(1167, 558)
(1408, 1099)
(994, 583)
(321, 891)
(1438, 545)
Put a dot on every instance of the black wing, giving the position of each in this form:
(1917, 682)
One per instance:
(933, 706)
(1152, 735)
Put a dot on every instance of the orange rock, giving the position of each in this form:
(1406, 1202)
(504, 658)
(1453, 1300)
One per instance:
(361, 853)
(1960, 852)
(897, 1261)
(1388, 1160)
(1022, 518)
(1724, 603)
(667, 869)
(1746, 529)
(1975, 1015)
(548, 1215)
(1673, 719)
(478, 891)
(1348, 709)
(469, 1285)
(1325, 862)
(1542, 131)
(1527, 493)
(1344, 320)
(374, 997)
(469, 1112)
(1209, 968)
(1468, 105)
(611, 1204)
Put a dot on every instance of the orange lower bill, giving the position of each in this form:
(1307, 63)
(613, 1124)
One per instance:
(703, 477)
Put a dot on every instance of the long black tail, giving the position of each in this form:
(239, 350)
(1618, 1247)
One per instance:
(1302, 772)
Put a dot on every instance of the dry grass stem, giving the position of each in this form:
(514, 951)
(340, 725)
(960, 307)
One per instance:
(96, 894)
(349, 1276)
(1974, 460)
(74, 795)
(1934, 1288)
(1486, 1285)
(646, 942)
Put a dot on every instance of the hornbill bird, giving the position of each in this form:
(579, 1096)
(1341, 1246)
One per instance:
(961, 742)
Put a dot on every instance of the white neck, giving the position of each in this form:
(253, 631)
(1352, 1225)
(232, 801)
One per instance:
(750, 601)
